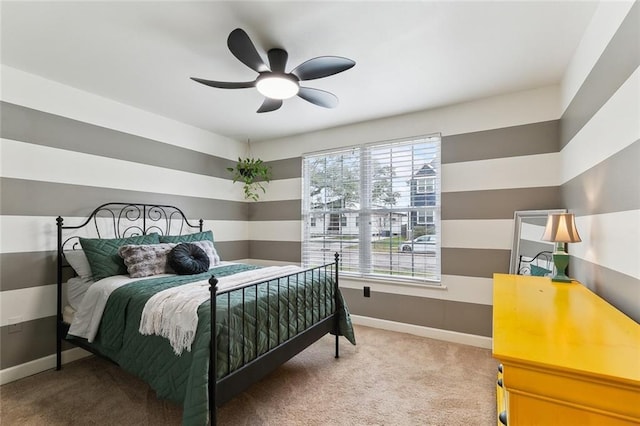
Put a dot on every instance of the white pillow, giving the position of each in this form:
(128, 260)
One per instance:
(76, 288)
(79, 262)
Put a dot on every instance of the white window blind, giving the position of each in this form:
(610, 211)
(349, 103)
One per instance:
(370, 203)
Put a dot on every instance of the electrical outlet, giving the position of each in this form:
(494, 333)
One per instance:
(367, 291)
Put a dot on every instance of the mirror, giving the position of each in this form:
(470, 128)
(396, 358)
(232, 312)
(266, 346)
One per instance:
(529, 254)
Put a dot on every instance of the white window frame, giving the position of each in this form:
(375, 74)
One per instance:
(364, 212)
(425, 185)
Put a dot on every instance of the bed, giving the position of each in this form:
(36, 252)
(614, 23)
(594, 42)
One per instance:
(541, 264)
(136, 298)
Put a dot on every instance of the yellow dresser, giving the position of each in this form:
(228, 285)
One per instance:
(567, 356)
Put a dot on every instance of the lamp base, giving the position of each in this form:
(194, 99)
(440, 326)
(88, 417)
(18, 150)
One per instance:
(561, 279)
(561, 260)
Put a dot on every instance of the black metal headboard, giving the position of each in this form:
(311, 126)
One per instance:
(128, 219)
(118, 220)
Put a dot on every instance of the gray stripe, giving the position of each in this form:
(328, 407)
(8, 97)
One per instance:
(474, 262)
(275, 210)
(489, 204)
(29, 269)
(528, 139)
(233, 250)
(619, 60)
(283, 251)
(620, 290)
(611, 186)
(287, 168)
(37, 127)
(53, 199)
(498, 203)
(36, 339)
(32, 269)
(449, 315)
(455, 261)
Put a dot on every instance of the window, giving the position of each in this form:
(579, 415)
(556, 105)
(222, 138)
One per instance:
(377, 199)
(425, 185)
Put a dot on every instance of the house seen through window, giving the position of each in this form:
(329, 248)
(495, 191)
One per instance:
(378, 205)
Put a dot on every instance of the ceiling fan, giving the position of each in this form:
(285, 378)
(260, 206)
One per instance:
(276, 84)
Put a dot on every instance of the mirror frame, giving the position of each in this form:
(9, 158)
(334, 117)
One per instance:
(517, 219)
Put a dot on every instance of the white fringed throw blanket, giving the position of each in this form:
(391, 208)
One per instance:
(173, 313)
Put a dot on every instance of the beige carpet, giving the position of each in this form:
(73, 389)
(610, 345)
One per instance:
(388, 379)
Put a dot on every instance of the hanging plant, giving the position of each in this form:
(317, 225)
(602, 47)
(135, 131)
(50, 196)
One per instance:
(253, 173)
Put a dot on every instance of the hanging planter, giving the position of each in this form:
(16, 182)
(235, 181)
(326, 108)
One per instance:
(253, 173)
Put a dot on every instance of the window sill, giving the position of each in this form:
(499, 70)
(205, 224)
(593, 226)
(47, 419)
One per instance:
(391, 282)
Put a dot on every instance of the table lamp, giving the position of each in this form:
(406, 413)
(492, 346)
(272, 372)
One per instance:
(561, 229)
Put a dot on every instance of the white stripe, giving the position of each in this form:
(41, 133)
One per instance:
(27, 304)
(531, 232)
(282, 189)
(21, 88)
(454, 287)
(457, 288)
(22, 160)
(610, 240)
(614, 127)
(502, 173)
(488, 234)
(228, 230)
(276, 230)
(478, 234)
(19, 234)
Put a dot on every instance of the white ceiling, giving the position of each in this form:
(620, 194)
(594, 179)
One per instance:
(409, 56)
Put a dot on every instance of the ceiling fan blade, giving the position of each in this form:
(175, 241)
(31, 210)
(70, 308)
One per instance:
(225, 84)
(242, 48)
(318, 97)
(322, 66)
(277, 59)
(270, 105)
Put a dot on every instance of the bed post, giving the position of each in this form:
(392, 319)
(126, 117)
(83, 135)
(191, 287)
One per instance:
(336, 295)
(59, 221)
(213, 289)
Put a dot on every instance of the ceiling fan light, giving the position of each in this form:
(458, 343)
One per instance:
(277, 86)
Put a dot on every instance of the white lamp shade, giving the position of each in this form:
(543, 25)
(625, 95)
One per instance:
(561, 228)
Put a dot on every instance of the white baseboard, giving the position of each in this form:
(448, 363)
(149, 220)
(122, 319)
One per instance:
(39, 365)
(30, 368)
(418, 330)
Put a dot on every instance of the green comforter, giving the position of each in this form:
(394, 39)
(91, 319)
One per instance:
(249, 323)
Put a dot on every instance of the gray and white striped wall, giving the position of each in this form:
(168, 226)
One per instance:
(600, 139)
(64, 152)
(499, 155)
(572, 146)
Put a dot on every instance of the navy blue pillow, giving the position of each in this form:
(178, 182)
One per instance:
(188, 259)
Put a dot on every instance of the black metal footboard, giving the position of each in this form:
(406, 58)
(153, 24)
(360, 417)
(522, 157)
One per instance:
(236, 381)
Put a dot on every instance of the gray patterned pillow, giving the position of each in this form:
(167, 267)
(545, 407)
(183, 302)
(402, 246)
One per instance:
(208, 248)
(146, 260)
